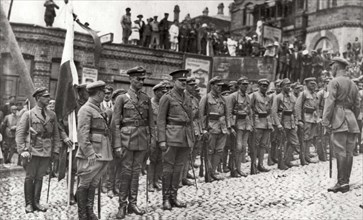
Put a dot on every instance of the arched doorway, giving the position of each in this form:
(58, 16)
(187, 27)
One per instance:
(324, 43)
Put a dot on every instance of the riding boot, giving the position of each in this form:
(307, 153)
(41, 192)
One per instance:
(321, 150)
(134, 189)
(216, 158)
(150, 177)
(225, 168)
(270, 162)
(340, 186)
(301, 155)
(90, 202)
(37, 192)
(166, 185)
(123, 195)
(208, 172)
(72, 199)
(116, 189)
(253, 155)
(289, 156)
(28, 191)
(238, 164)
(261, 154)
(348, 169)
(82, 197)
(174, 202)
(281, 160)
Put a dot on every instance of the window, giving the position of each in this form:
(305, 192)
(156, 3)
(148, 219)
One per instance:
(248, 15)
(300, 4)
(324, 4)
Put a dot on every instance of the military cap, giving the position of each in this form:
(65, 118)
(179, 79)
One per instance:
(128, 9)
(310, 79)
(278, 82)
(293, 85)
(298, 86)
(13, 107)
(191, 81)
(108, 87)
(95, 85)
(41, 92)
(118, 92)
(342, 61)
(180, 75)
(243, 80)
(232, 83)
(264, 81)
(355, 80)
(285, 81)
(216, 80)
(137, 71)
(160, 85)
(140, 16)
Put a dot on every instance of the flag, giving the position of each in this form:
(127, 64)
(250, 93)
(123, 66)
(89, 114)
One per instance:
(96, 39)
(66, 98)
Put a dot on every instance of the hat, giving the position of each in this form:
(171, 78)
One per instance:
(243, 80)
(155, 16)
(285, 81)
(276, 43)
(180, 75)
(342, 61)
(291, 46)
(216, 80)
(41, 92)
(108, 87)
(264, 81)
(232, 83)
(128, 9)
(293, 85)
(140, 16)
(191, 81)
(159, 86)
(305, 52)
(137, 71)
(150, 19)
(95, 85)
(310, 79)
(166, 14)
(118, 92)
(13, 107)
(225, 88)
(204, 25)
(298, 86)
(270, 45)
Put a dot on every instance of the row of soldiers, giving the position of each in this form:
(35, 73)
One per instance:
(169, 128)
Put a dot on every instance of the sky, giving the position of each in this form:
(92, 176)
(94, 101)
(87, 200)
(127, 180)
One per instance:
(105, 15)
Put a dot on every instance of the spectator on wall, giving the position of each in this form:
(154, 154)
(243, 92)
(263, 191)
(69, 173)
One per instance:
(174, 34)
(356, 48)
(49, 14)
(232, 46)
(183, 37)
(306, 61)
(146, 33)
(135, 33)
(295, 64)
(193, 38)
(142, 27)
(164, 32)
(126, 26)
(155, 34)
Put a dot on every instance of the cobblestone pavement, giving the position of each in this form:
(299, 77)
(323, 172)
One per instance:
(298, 193)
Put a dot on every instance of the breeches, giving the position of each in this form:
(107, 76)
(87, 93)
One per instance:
(37, 168)
(132, 161)
(216, 143)
(174, 158)
(242, 140)
(90, 175)
(344, 143)
(262, 138)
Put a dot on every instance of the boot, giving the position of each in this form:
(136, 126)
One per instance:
(260, 166)
(208, 167)
(243, 157)
(37, 191)
(348, 169)
(322, 150)
(104, 184)
(174, 202)
(121, 212)
(253, 164)
(281, 162)
(187, 182)
(150, 187)
(301, 155)
(72, 199)
(238, 161)
(166, 191)
(150, 177)
(19, 160)
(157, 185)
(116, 189)
(216, 158)
(224, 161)
(289, 156)
(341, 185)
(110, 194)
(134, 189)
(90, 202)
(28, 191)
(270, 162)
(123, 194)
(82, 195)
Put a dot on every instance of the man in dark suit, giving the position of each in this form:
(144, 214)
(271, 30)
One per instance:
(295, 64)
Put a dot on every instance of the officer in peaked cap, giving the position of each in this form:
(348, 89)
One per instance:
(41, 124)
(233, 87)
(98, 85)
(175, 136)
(341, 111)
(133, 117)
(310, 79)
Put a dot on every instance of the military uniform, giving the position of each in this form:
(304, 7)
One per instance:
(175, 130)
(133, 117)
(9, 125)
(283, 112)
(307, 112)
(275, 136)
(340, 116)
(239, 105)
(262, 122)
(93, 141)
(213, 112)
(40, 140)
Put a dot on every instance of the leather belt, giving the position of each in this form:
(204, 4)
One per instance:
(241, 116)
(214, 117)
(309, 110)
(99, 131)
(262, 115)
(180, 123)
(288, 113)
(136, 123)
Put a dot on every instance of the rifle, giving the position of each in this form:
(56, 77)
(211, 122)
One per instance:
(207, 177)
(191, 165)
(330, 157)
(99, 200)
(302, 146)
(51, 170)
(252, 153)
(147, 188)
(281, 149)
(201, 170)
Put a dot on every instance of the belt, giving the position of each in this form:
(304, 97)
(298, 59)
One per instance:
(309, 110)
(136, 123)
(288, 113)
(262, 115)
(180, 123)
(214, 117)
(99, 131)
(241, 116)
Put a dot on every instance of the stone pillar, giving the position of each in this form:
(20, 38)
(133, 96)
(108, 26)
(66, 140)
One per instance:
(205, 11)
(176, 13)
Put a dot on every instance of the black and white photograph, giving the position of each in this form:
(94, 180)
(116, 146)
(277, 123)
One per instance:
(181, 109)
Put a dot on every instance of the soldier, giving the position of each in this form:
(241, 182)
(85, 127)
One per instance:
(323, 139)
(339, 118)
(359, 119)
(176, 137)
(283, 112)
(94, 149)
(307, 115)
(226, 161)
(133, 115)
(215, 124)
(155, 167)
(262, 121)
(39, 125)
(9, 125)
(240, 107)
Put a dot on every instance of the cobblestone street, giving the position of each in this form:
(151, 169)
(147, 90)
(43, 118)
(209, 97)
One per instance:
(298, 193)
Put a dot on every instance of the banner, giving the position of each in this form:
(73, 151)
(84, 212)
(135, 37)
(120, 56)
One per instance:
(200, 68)
(270, 35)
(89, 75)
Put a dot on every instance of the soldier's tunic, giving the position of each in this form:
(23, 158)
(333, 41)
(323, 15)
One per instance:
(133, 116)
(175, 127)
(213, 108)
(9, 124)
(93, 138)
(306, 109)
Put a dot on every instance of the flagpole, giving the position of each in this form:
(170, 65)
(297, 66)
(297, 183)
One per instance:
(73, 136)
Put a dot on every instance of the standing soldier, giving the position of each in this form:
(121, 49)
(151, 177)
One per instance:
(339, 118)
(176, 137)
(155, 166)
(37, 139)
(133, 117)
(262, 122)
(275, 139)
(357, 148)
(213, 112)
(94, 149)
(284, 104)
(307, 115)
(9, 125)
(240, 107)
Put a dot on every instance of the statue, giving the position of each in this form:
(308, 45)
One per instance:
(49, 14)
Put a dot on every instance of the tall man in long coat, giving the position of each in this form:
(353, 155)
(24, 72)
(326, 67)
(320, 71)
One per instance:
(340, 118)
